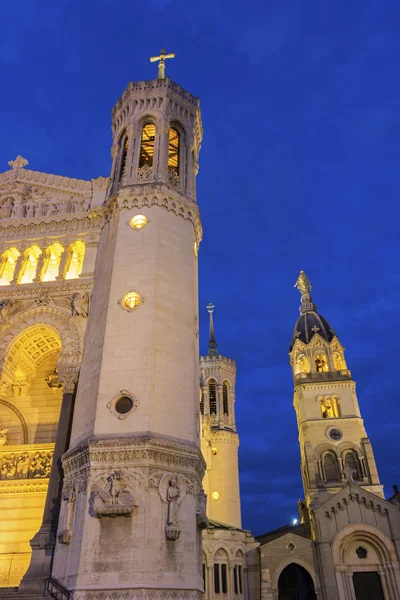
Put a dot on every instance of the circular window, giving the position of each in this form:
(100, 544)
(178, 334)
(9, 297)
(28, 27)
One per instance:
(215, 495)
(138, 222)
(123, 405)
(335, 434)
(130, 301)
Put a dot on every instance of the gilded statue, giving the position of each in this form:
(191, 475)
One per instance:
(303, 284)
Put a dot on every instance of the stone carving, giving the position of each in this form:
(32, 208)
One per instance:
(303, 284)
(6, 208)
(18, 163)
(172, 492)
(9, 467)
(5, 308)
(114, 497)
(3, 437)
(43, 298)
(53, 380)
(79, 305)
(348, 475)
(361, 552)
(173, 178)
(201, 510)
(145, 173)
(40, 464)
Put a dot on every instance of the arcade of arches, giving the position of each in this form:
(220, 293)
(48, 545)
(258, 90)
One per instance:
(30, 401)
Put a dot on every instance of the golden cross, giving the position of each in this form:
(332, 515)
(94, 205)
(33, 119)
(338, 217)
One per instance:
(161, 64)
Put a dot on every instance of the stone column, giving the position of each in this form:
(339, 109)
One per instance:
(42, 544)
(40, 266)
(89, 260)
(19, 265)
(65, 256)
(210, 583)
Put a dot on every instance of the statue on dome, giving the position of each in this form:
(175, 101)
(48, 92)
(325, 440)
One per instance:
(303, 284)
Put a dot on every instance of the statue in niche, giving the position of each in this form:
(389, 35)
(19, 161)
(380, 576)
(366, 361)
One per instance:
(78, 304)
(329, 409)
(320, 364)
(323, 409)
(201, 510)
(114, 498)
(23, 466)
(3, 437)
(6, 208)
(172, 492)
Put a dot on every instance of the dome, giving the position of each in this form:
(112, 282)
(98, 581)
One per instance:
(308, 324)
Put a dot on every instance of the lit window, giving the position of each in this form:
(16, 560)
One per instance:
(29, 266)
(215, 495)
(73, 267)
(7, 265)
(214, 451)
(321, 363)
(330, 467)
(52, 262)
(225, 398)
(173, 150)
(147, 145)
(130, 301)
(138, 222)
(123, 153)
(212, 396)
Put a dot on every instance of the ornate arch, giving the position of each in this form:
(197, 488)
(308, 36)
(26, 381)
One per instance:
(20, 417)
(382, 544)
(56, 319)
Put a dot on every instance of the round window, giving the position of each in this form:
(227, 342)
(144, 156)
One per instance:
(123, 405)
(335, 434)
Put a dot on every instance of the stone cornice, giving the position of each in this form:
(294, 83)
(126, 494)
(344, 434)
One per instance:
(222, 435)
(129, 593)
(325, 385)
(155, 86)
(53, 288)
(337, 421)
(52, 226)
(223, 361)
(11, 488)
(143, 451)
(47, 180)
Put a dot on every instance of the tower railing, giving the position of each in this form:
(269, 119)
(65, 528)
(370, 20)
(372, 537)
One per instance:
(341, 375)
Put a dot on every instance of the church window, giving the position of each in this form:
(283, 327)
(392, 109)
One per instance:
(212, 396)
(138, 222)
(147, 146)
(7, 265)
(330, 467)
(123, 153)
(51, 263)
(216, 579)
(131, 301)
(351, 461)
(173, 150)
(338, 361)
(29, 266)
(302, 364)
(224, 581)
(123, 405)
(225, 398)
(75, 257)
(321, 363)
(235, 578)
(204, 577)
(336, 406)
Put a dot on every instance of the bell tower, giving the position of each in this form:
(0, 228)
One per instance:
(219, 438)
(333, 442)
(132, 502)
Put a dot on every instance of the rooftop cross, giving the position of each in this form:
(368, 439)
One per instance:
(161, 64)
(19, 163)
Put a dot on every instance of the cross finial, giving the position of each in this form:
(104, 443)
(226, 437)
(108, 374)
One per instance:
(19, 163)
(161, 64)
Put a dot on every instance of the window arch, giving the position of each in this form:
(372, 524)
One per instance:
(147, 144)
(330, 467)
(295, 583)
(51, 262)
(302, 364)
(221, 572)
(350, 459)
(29, 266)
(123, 155)
(75, 257)
(225, 398)
(174, 143)
(338, 361)
(7, 265)
(212, 396)
(321, 363)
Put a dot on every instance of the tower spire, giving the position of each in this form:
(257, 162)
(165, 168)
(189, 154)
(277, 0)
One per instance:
(212, 344)
(304, 286)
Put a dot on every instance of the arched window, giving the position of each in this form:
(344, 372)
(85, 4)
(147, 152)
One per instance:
(123, 154)
(330, 467)
(7, 265)
(295, 583)
(225, 398)
(221, 572)
(351, 460)
(52, 262)
(201, 400)
(336, 406)
(29, 266)
(321, 363)
(212, 396)
(302, 364)
(75, 257)
(173, 150)
(147, 145)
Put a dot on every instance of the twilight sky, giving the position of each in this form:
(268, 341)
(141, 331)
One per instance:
(299, 169)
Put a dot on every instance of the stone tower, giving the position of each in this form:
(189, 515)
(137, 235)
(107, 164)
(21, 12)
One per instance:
(219, 441)
(133, 503)
(334, 445)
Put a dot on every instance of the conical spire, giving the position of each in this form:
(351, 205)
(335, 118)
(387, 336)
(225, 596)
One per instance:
(304, 286)
(212, 344)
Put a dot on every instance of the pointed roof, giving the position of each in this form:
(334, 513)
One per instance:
(212, 344)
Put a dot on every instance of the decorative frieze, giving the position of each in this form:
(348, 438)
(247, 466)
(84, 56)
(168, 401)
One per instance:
(30, 461)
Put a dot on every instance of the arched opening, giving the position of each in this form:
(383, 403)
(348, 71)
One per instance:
(330, 467)
(221, 572)
(321, 363)
(147, 145)
(29, 265)
(51, 263)
(302, 364)
(123, 155)
(367, 585)
(350, 460)
(75, 258)
(338, 361)
(295, 583)
(173, 150)
(7, 265)
(212, 396)
(225, 398)
(30, 402)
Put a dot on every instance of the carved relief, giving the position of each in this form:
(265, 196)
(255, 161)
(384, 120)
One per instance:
(79, 304)
(25, 465)
(172, 490)
(113, 497)
(201, 510)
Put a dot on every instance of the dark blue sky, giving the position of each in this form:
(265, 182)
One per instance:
(299, 169)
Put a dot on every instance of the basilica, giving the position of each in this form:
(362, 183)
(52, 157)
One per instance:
(119, 447)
